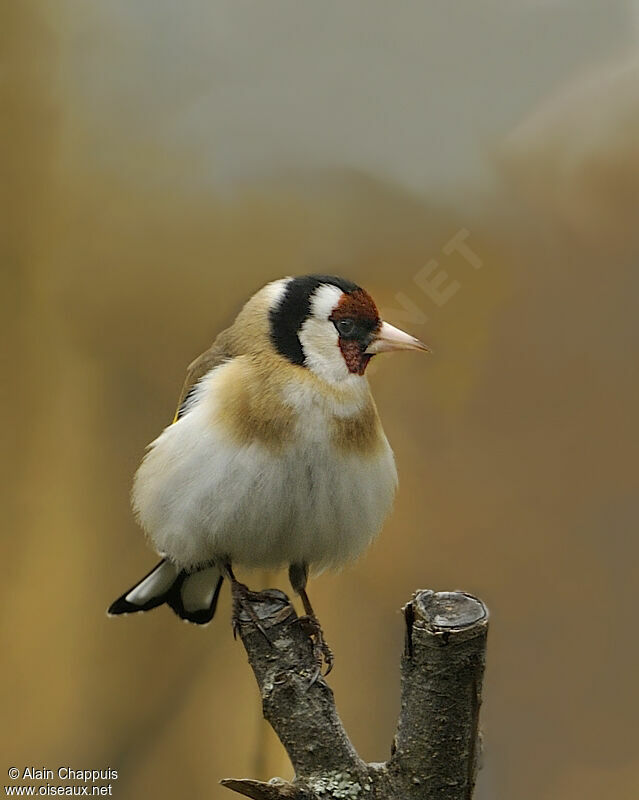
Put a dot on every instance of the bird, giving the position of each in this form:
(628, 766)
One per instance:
(276, 456)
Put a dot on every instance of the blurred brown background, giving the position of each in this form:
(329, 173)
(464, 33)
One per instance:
(160, 163)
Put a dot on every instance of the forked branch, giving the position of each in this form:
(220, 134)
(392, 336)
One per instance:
(436, 747)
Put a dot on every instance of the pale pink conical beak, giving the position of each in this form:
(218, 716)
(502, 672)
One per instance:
(391, 338)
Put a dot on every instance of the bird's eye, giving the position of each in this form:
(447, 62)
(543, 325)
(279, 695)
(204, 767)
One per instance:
(345, 326)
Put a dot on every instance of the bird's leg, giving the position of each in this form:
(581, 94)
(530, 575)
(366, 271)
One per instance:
(241, 602)
(298, 576)
(321, 650)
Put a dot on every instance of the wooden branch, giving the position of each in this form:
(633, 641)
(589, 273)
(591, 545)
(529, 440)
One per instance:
(437, 741)
(435, 752)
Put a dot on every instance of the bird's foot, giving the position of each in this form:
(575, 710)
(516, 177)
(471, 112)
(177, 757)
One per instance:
(242, 596)
(322, 653)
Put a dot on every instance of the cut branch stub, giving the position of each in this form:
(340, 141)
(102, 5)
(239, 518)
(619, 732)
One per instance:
(437, 742)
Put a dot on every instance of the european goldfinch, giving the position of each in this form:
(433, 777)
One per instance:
(276, 456)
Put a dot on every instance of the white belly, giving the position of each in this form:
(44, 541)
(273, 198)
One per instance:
(201, 497)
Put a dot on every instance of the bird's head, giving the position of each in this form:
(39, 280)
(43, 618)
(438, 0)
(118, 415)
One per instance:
(332, 327)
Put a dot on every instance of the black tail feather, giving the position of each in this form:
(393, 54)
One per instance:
(192, 596)
(204, 611)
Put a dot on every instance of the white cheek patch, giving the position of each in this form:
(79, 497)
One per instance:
(319, 338)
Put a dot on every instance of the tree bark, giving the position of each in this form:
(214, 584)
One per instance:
(436, 746)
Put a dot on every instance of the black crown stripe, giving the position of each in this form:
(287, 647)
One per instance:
(289, 315)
